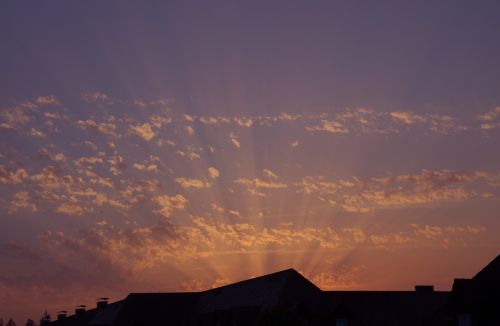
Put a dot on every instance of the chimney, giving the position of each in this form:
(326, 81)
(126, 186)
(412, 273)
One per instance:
(424, 288)
(80, 310)
(102, 302)
(61, 315)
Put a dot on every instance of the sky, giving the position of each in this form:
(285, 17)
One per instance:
(183, 145)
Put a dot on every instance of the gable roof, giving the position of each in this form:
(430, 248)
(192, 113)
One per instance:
(490, 272)
(262, 291)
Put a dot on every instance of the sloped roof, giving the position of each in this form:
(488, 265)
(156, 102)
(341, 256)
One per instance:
(490, 272)
(263, 291)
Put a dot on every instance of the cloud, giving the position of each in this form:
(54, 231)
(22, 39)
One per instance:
(490, 115)
(234, 140)
(159, 121)
(168, 204)
(213, 172)
(189, 130)
(192, 183)
(189, 154)
(44, 154)
(51, 178)
(17, 115)
(162, 142)
(146, 167)
(47, 100)
(490, 119)
(444, 124)
(259, 183)
(329, 126)
(343, 277)
(362, 196)
(21, 200)
(488, 126)
(188, 117)
(12, 177)
(269, 174)
(209, 120)
(88, 160)
(436, 232)
(72, 209)
(448, 235)
(116, 164)
(244, 122)
(97, 97)
(106, 128)
(144, 131)
(390, 240)
(52, 115)
(407, 118)
(441, 124)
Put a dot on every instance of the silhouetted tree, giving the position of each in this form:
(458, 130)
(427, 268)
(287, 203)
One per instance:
(11, 322)
(30, 322)
(1, 322)
(45, 319)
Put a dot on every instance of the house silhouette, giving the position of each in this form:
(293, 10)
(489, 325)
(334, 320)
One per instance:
(288, 298)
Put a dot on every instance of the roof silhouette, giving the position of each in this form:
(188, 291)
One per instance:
(490, 272)
(290, 295)
(268, 290)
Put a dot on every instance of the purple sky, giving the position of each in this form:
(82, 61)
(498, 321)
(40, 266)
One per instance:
(181, 146)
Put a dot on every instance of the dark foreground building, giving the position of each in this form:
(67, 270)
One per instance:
(287, 298)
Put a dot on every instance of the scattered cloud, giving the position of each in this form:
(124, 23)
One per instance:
(168, 204)
(158, 121)
(408, 118)
(144, 131)
(269, 174)
(259, 183)
(21, 201)
(8, 176)
(106, 128)
(490, 115)
(97, 97)
(192, 183)
(244, 122)
(329, 126)
(189, 130)
(361, 196)
(209, 120)
(72, 209)
(490, 119)
(234, 140)
(188, 117)
(213, 172)
(47, 100)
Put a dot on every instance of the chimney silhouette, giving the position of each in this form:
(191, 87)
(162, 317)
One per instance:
(80, 311)
(61, 315)
(102, 302)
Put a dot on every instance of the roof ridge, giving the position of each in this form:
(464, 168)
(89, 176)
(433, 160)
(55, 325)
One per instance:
(491, 271)
(260, 277)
